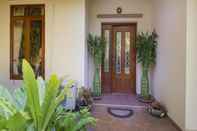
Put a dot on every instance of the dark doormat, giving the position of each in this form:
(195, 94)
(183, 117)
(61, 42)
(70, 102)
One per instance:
(119, 112)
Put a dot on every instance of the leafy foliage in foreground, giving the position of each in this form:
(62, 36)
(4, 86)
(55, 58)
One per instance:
(37, 108)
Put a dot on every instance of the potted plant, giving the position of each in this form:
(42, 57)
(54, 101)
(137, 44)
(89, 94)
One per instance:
(96, 48)
(146, 46)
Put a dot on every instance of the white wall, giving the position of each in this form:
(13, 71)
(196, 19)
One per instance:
(4, 42)
(68, 48)
(169, 74)
(191, 90)
(65, 38)
(109, 6)
(86, 46)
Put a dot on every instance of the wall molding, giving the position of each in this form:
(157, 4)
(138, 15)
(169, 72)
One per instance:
(137, 15)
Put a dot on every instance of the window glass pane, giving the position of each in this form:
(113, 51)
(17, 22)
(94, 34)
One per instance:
(36, 11)
(107, 48)
(18, 46)
(26, 38)
(36, 46)
(19, 11)
(127, 52)
(118, 52)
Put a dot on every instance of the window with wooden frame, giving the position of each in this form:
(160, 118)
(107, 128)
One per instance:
(27, 39)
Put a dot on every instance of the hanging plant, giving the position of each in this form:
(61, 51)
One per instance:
(96, 48)
(146, 46)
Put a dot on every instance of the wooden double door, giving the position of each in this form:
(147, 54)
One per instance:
(119, 61)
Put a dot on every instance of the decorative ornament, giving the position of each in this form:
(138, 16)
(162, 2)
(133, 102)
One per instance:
(119, 10)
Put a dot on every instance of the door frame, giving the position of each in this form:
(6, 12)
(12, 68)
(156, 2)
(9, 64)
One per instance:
(121, 24)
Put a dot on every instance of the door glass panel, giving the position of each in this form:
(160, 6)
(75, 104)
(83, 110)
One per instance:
(19, 11)
(36, 11)
(18, 46)
(127, 52)
(36, 46)
(118, 52)
(107, 48)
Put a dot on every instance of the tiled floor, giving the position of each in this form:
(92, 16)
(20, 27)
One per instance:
(140, 121)
(119, 99)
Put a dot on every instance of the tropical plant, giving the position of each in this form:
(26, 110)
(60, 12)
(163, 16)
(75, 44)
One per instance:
(78, 121)
(146, 46)
(96, 48)
(37, 108)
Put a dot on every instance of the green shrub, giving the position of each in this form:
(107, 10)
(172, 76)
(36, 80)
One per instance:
(26, 110)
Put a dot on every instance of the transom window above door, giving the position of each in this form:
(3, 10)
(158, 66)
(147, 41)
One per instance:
(27, 39)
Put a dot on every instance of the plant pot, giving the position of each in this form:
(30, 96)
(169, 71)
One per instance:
(97, 82)
(145, 100)
(96, 98)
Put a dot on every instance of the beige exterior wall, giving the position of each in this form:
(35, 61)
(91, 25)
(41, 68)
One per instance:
(109, 6)
(191, 90)
(170, 71)
(65, 38)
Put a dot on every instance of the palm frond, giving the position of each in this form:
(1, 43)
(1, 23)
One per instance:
(6, 108)
(48, 107)
(146, 45)
(96, 47)
(31, 87)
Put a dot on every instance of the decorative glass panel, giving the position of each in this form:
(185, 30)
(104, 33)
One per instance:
(36, 11)
(19, 11)
(118, 52)
(18, 46)
(127, 52)
(107, 48)
(36, 46)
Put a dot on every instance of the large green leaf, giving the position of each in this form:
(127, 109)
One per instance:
(2, 123)
(48, 107)
(55, 100)
(41, 85)
(5, 93)
(31, 87)
(65, 92)
(6, 108)
(20, 98)
(17, 123)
